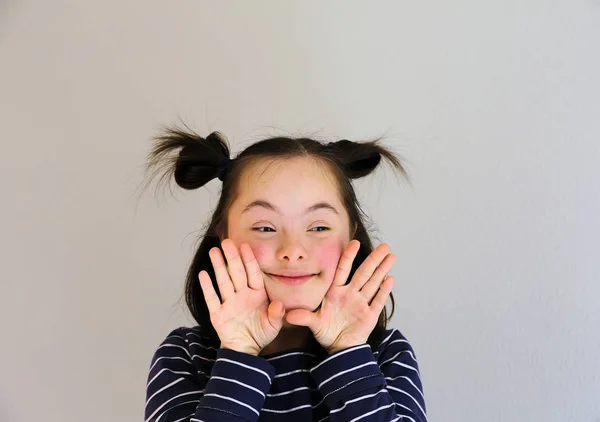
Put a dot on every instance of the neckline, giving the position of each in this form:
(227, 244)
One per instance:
(286, 351)
(312, 349)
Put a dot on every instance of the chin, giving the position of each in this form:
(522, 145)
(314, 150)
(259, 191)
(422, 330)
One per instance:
(294, 302)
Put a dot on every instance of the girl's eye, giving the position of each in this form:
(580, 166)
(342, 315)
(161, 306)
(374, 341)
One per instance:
(270, 229)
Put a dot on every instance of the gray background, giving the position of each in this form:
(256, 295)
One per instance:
(495, 105)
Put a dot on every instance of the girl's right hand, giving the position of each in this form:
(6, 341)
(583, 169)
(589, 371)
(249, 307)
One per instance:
(245, 320)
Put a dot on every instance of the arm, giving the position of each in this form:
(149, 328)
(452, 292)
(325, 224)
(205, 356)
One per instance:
(357, 386)
(234, 391)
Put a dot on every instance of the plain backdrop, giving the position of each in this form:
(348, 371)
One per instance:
(494, 105)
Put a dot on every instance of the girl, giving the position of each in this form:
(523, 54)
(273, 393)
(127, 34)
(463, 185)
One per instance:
(287, 290)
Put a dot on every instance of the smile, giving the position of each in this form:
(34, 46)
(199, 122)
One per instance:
(293, 281)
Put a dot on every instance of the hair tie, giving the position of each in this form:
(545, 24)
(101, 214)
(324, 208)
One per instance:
(223, 167)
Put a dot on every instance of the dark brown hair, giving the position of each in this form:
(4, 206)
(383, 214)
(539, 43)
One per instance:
(193, 161)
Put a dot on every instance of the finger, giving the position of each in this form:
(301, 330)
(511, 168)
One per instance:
(221, 273)
(382, 296)
(210, 296)
(275, 313)
(253, 272)
(370, 288)
(301, 317)
(345, 264)
(368, 267)
(236, 269)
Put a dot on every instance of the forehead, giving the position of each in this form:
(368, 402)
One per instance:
(288, 183)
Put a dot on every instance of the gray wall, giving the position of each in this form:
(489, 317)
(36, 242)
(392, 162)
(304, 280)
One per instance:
(494, 104)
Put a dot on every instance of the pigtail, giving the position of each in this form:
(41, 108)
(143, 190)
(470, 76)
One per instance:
(193, 161)
(184, 155)
(359, 159)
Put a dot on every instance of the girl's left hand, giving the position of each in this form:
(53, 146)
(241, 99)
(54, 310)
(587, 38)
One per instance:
(350, 312)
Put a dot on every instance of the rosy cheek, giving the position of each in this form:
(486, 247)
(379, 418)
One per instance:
(261, 252)
(329, 255)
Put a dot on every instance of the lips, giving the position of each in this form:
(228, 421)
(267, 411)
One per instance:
(294, 280)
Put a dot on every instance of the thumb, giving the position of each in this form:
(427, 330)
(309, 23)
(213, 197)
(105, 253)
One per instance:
(275, 312)
(302, 317)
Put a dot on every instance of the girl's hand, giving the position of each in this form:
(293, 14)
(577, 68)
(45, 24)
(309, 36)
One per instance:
(350, 312)
(245, 320)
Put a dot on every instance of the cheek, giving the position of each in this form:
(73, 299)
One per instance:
(329, 255)
(261, 252)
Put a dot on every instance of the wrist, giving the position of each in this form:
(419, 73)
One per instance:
(242, 349)
(334, 349)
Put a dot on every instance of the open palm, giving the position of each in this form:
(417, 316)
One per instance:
(349, 312)
(244, 318)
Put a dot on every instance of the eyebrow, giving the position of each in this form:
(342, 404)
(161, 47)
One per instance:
(264, 204)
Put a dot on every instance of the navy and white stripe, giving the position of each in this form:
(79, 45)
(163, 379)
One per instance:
(191, 382)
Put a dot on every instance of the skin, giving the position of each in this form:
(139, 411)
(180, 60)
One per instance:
(289, 238)
(257, 313)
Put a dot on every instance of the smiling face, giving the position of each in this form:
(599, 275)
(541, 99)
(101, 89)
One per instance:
(290, 214)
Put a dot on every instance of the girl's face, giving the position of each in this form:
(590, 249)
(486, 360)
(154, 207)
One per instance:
(290, 215)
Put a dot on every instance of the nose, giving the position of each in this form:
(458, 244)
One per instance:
(291, 249)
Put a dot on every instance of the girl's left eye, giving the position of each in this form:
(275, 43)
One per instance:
(269, 229)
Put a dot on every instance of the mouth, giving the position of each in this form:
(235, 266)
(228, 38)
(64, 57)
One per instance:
(293, 281)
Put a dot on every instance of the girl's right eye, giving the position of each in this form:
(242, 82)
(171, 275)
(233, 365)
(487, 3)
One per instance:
(258, 229)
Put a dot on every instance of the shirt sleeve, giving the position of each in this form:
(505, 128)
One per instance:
(175, 392)
(357, 384)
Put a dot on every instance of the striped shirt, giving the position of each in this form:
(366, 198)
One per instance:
(191, 382)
